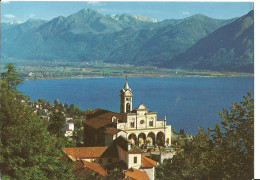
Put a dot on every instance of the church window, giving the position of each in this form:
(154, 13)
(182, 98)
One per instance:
(142, 121)
(127, 107)
(151, 123)
(135, 159)
(114, 119)
(132, 124)
(109, 160)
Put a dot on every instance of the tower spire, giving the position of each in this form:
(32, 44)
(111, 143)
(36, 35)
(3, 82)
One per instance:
(126, 83)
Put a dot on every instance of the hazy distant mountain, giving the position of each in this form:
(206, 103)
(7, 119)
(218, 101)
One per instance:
(89, 35)
(167, 39)
(229, 48)
(14, 29)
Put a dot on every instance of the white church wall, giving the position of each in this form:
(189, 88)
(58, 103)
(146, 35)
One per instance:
(169, 134)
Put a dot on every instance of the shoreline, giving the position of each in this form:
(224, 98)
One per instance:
(136, 76)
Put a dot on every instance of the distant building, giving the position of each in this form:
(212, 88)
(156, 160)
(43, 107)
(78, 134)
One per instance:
(140, 126)
(68, 133)
(69, 119)
(31, 74)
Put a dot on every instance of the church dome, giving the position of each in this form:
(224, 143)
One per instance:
(142, 106)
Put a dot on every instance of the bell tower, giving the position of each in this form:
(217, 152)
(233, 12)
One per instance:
(126, 99)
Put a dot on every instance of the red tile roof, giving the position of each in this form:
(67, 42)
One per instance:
(85, 152)
(84, 168)
(111, 130)
(79, 167)
(136, 174)
(99, 118)
(95, 167)
(147, 162)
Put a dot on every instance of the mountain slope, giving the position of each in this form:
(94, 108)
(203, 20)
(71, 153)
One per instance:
(89, 35)
(164, 40)
(230, 48)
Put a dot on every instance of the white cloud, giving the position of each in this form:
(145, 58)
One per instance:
(9, 16)
(5, 2)
(186, 13)
(96, 3)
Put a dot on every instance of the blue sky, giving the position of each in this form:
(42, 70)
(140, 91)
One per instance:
(47, 10)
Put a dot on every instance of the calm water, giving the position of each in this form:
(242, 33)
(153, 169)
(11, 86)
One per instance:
(188, 102)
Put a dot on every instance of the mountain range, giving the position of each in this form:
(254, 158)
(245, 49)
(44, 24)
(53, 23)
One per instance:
(196, 42)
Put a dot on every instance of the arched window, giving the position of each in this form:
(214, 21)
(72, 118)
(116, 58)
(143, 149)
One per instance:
(128, 107)
(114, 119)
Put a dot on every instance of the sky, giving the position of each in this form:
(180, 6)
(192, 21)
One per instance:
(47, 10)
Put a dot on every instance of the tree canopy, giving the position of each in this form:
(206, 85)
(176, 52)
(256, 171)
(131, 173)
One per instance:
(225, 152)
(27, 149)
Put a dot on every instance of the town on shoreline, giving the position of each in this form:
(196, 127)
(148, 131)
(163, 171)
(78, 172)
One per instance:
(39, 70)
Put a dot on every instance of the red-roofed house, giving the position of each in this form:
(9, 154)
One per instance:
(121, 154)
(68, 133)
(82, 169)
(136, 174)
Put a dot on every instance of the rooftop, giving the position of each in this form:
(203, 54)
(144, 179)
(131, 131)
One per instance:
(142, 107)
(111, 130)
(147, 162)
(95, 167)
(84, 168)
(85, 152)
(123, 143)
(99, 118)
(137, 174)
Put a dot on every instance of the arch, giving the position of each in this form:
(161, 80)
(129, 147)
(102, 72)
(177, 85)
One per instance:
(160, 139)
(132, 138)
(128, 107)
(151, 138)
(141, 139)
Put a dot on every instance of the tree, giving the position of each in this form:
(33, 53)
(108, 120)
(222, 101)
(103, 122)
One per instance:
(57, 123)
(27, 150)
(225, 152)
(42, 100)
(115, 174)
(56, 102)
(235, 139)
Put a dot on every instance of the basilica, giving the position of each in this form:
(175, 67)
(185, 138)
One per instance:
(139, 126)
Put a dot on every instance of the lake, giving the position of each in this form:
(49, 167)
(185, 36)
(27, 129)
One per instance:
(188, 102)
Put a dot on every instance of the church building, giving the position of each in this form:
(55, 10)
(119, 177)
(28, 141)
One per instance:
(140, 126)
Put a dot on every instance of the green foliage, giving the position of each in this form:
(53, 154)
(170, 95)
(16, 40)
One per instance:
(27, 150)
(57, 123)
(225, 152)
(41, 100)
(92, 176)
(115, 174)
(235, 139)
